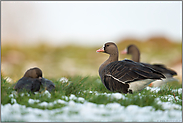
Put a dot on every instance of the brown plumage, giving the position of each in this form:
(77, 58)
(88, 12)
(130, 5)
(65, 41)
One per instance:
(134, 51)
(124, 76)
(32, 81)
(169, 73)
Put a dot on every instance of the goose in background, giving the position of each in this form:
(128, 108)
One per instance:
(169, 73)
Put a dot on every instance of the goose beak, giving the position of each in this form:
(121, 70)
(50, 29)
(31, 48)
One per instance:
(124, 51)
(100, 50)
(150, 85)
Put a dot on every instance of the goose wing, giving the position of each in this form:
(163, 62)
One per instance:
(162, 68)
(128, 71)
(29, 84)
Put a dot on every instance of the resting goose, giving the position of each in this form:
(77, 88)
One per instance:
(124, 76)
(135, 53)
(47, 84)
(32, 81)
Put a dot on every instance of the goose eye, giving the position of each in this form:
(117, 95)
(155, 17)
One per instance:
(107, 45)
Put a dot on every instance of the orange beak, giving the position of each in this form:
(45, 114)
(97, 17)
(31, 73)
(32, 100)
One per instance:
(124, 51)
(100, 50)
(150, 85)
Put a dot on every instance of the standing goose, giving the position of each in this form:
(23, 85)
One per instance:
(32, 81)
(124, 76)
(135, 53)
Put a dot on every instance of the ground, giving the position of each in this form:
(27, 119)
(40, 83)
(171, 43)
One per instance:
(86, 99)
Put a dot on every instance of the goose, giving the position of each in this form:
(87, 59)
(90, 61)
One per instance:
(169, 73)
(47, 84)
(124, 76)
(32, 81)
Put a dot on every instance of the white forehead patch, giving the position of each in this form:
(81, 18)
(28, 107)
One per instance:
(107, 42)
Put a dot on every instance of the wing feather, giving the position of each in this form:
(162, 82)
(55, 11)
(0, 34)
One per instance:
(128, 71)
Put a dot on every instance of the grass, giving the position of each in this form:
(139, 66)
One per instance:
(71, 60)
(82, 87)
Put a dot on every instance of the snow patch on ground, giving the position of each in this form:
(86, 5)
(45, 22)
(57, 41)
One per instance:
(8, 79)
(153, 89)
(179, 90)
(46, 92)
(171, 98)
(168, 105)
(112, 95)
(63, 80)
(31, 101)
(86, 111)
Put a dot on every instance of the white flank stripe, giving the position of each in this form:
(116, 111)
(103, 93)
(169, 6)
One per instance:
(115, 78)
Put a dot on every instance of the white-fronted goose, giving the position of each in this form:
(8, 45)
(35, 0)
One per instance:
(169, 73)
(32, 81)
(124, 76)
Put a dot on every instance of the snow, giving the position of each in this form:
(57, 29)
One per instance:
(153, 89)
(13, 101)
(8, 79)
(31, 101)
(46, 92)
(63, 80)
(170, 98)
(46, 104)
(13, 94)
(22, 94)
(179, 90)
(74, 111)
(113, 95)
(72, 97)
(81, 99)
(168, 105)
(89, 112)
(59, 101)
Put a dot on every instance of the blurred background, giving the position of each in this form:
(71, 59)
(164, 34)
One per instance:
(61, 37)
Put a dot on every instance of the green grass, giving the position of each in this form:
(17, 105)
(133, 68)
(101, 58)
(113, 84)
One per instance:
(71, 60)
(81, 87)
